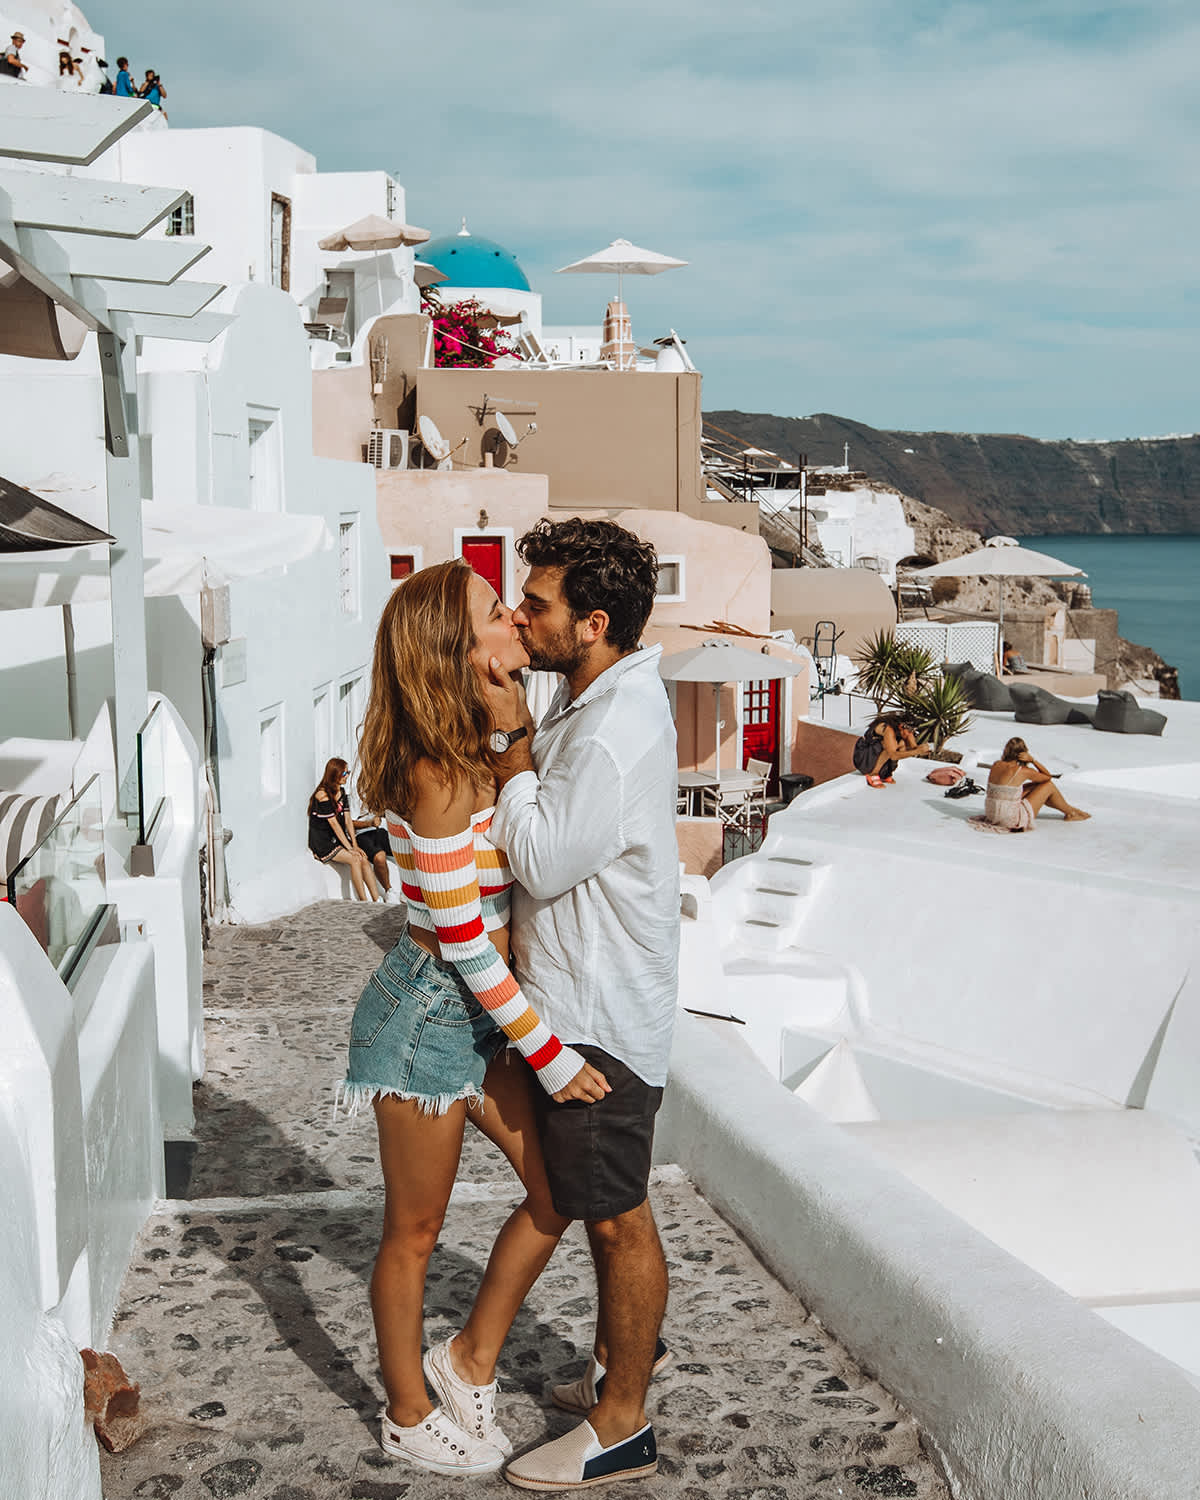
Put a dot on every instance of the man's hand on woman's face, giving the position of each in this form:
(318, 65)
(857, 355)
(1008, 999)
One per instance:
(505, 695)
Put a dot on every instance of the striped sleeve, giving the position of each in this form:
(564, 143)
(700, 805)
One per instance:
(449, 881)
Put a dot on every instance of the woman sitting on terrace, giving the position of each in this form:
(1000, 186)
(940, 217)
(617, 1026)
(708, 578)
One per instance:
(1018, 788)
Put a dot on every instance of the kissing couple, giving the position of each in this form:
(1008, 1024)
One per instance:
(533, 991)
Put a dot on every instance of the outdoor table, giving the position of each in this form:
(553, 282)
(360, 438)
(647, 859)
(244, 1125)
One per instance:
(695, 783)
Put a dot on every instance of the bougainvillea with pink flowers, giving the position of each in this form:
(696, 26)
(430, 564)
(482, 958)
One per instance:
(458, 340)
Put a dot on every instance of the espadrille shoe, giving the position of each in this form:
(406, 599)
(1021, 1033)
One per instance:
(582, 1394)
(473, 1407)
(577, 1461)
(440, 1444)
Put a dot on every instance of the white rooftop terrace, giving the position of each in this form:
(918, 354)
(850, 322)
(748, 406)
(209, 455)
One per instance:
(1011, 1022)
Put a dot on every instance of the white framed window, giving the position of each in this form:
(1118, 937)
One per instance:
(322, 726)
(181, 222)
(351, 706)
(348, 565)
(270, 755)
(672, 582)
(265, 458)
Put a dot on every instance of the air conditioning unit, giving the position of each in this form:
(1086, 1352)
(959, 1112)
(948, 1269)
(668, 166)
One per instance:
(387, 448)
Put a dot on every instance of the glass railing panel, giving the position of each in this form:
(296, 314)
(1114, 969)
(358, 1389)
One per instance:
(59, 889)
(152, 771)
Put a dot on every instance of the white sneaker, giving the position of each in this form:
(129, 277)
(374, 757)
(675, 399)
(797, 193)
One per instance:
(440, 1444)
(392, 897)
(473, 1407)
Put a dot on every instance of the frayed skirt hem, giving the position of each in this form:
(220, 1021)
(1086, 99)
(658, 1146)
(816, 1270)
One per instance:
(352, 1098)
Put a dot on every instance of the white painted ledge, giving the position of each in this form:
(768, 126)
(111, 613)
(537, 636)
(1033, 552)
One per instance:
(1024, 1392)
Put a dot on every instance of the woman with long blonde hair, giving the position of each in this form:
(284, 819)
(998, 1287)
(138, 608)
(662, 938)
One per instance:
(427, 1042)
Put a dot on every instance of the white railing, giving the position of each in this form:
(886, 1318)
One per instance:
(975, 641)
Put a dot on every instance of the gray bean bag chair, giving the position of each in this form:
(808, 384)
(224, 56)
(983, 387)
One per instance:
(983, 690)
(1034, 705)
(1119, 713)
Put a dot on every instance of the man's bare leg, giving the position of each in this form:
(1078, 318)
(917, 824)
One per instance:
(631, 1273)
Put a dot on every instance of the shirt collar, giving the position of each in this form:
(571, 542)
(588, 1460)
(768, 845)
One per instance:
(644, 656)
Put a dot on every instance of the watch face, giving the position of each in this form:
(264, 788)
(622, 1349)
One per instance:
(498, 741)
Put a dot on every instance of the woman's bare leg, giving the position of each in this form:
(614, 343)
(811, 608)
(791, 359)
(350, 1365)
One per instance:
(531, 1232)
(344, 857)
(419, 1154)
(380, 864)
(1046, 794)
(368, 875)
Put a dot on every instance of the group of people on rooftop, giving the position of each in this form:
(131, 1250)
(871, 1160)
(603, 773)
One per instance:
(71, 74)
(533, 991)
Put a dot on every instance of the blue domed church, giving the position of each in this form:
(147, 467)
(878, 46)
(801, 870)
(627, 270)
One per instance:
(480, 268)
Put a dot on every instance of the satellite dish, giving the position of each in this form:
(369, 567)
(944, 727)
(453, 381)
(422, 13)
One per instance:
(506, 429)
(434, 443)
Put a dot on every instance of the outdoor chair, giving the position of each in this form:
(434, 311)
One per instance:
(983, 691)
(1120, 713)
(735, 806)
(330, 319)
(1034, 705)
(760, 768)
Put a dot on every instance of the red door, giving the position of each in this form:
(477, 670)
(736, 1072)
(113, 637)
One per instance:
(486, 556)
(760, 724)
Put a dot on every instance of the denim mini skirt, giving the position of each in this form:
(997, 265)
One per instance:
(418, 1033)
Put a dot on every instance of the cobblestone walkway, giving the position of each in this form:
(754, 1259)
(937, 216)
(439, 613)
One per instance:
(245, 1317)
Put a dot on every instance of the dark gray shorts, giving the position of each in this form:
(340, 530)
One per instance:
(598, 1155)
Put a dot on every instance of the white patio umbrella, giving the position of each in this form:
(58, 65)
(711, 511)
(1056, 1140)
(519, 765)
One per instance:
(624, 259)
(1002, 557)
(719, 662)
(374, 233)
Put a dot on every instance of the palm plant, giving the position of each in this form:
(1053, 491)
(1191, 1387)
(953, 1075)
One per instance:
(889, 669)
(938, 710)
(876, 663)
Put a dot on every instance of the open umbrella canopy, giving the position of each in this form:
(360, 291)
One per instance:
(30, 523)
(426, 275)
(722, 661)
(186, 547)
(374, 233)
(1002, 557)
(624, 259)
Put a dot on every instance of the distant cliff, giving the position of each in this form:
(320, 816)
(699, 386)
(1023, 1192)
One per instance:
(999, 482)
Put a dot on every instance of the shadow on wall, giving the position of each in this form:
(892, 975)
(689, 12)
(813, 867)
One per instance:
(35, 694)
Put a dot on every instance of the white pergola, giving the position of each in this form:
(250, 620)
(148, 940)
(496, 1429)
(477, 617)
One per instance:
(78, 241)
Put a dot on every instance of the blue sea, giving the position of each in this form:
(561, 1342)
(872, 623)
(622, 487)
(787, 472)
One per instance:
(1154, 584)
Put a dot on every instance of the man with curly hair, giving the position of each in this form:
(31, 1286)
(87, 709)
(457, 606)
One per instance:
(587, 817)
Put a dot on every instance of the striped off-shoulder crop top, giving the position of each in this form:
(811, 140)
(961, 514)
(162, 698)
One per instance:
(459, 887)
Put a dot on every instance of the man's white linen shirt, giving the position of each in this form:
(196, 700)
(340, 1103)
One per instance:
(591, 840)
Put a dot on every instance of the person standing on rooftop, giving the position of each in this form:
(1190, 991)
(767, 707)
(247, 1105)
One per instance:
(11, 64)
(586, 815)
(124, 89)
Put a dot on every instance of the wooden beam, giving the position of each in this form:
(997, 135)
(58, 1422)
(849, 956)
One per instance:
(182, 299)
(40, 124)
(107, 259)
(41, 200)
(201, 329)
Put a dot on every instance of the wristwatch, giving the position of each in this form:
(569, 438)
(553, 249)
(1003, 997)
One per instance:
(501, 739)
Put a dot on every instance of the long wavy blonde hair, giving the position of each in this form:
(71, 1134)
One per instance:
(426, 698)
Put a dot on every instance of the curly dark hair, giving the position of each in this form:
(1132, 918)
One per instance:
(604, 567)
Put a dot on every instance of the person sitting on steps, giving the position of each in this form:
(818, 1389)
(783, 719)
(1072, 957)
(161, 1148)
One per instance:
(331, 830)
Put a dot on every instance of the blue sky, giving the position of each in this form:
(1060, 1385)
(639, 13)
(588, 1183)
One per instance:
(916, 213)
